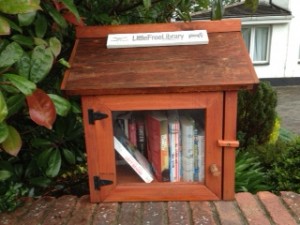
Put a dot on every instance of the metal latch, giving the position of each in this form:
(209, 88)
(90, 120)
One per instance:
(98, 182)
(95, 116)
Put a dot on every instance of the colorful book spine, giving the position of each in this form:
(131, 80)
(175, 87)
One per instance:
(134, 158)
(174, 146)
(157, 141)
(132, 133)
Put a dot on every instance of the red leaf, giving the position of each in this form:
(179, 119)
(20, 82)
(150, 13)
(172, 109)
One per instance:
(70, 17)
(41, 108)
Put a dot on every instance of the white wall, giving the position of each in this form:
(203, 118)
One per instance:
(285, 44)
(282, 3)
(292, 65)
(278, 52)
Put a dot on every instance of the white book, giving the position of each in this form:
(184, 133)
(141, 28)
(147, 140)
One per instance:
(187, 147)
(134, 158)
(201, 154)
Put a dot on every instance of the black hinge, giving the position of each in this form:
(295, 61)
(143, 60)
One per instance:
(98, 182)
(95, 116)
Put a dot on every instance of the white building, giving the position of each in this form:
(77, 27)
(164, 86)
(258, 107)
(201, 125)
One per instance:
(272, 35)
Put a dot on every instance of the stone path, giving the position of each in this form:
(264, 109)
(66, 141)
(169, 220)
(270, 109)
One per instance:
(261, 209)
(288, 107)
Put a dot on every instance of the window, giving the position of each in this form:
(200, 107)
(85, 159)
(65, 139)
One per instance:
(257, 40)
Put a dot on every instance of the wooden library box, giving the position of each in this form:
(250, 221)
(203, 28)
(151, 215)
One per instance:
(202, 80)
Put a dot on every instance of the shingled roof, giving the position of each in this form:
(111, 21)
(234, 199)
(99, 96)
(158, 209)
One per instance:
(241, 11)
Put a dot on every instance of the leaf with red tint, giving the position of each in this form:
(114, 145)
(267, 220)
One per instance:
(71, 18)
(41, 108)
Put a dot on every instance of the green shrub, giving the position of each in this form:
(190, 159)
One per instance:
(250, 175)
(284, 172)
(256, 114)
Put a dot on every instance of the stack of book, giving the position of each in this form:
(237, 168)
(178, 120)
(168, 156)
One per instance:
(168, 145)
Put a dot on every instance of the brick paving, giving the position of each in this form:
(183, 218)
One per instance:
(261, 209)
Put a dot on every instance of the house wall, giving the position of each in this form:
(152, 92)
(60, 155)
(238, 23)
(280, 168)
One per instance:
(278, 53)
(285, 44)
(292, 65)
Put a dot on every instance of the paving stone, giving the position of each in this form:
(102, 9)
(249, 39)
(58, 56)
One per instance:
(82, 215)
(179, 213)
(202, 213)
(37, 211)
(106, 214)
(276, 209)
(9, 218)
(130, 213)
(293, 202)
(251, 209)
(228, 213)
(60, 211)
(154, 213)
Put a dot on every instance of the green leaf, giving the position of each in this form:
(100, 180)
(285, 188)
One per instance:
(23, 84)
(55, 46)
(13, 143)
(42, 159)
(65, 63)
(69, 156)
(41, 63)
(11, 54)
(23, 40)
(14, 26)
(56, 16)
(40, 142)
(4, 26)
(147, 4)
(40, 26)
(25, 19)
(40, 41)
(3, 132)
(23, 65)
(4, 175)
(70, 6)
(54, 163)
(62, 105)
(3, 108)
(3, 44)
(40, 181)
(19, 6)
(15, 103)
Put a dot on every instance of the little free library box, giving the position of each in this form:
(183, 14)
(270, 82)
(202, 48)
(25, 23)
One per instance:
(124, 86)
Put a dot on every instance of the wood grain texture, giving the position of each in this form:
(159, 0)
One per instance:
(230, 115)
(223, 64)
(210, 26)
(101, 158)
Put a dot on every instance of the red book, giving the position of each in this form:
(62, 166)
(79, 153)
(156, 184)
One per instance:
(132, 133)
(158, 148)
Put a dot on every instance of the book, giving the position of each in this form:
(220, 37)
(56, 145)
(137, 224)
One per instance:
(122, 121)
(201, 154)
(141, 139)
(132, 132)
(134, 158)
(157, 141)
(187, 147)
(174, 146)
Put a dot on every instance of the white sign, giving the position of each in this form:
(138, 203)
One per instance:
(193, 37)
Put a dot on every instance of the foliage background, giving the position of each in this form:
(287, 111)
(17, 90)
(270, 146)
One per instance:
(41, 134)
